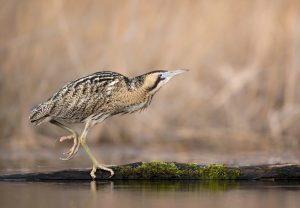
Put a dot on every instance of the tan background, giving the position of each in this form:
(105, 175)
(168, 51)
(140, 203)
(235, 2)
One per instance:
(240, 95)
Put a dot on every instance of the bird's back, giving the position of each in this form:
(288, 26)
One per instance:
(78, 100)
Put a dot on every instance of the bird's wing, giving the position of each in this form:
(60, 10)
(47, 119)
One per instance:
(79, 99)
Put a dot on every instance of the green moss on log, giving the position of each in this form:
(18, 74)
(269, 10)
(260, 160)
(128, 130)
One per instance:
(162, 170)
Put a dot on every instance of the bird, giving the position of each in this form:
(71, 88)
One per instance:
(95, 98)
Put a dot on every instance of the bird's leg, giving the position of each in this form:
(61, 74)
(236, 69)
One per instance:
(74, 149)
(96, 165)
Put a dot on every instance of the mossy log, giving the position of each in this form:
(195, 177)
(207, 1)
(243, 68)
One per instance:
(169, 171)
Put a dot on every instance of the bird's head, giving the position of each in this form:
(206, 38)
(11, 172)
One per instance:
(154, 80)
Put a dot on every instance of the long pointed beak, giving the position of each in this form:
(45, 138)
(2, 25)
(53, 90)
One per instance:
(170, 74)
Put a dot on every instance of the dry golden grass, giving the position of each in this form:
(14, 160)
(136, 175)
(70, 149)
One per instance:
(242, 91)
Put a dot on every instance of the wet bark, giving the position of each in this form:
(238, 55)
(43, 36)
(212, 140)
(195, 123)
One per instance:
(124, 172)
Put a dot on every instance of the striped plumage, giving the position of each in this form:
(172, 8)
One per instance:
(93, 98)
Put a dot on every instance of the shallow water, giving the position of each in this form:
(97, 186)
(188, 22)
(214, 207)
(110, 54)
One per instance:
(181, 194)
(151, 194)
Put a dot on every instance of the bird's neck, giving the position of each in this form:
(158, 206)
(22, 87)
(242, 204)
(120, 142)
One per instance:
(136, 91)
(144, 83)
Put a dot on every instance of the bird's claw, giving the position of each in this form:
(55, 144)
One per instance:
(101, 167)
(74, 149)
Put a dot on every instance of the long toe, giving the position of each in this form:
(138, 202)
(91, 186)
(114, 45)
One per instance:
(66, 158)
(63, 138)
(112, 173)
(71, 153)
(101, 167)
(74, 149)
(93, 171)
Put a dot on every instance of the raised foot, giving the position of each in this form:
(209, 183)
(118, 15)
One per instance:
(101, 167)
(74, 149)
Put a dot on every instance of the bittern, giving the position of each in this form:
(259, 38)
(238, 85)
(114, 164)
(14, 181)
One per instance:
(94, 98)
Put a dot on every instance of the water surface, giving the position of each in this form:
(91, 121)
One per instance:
(157, 194)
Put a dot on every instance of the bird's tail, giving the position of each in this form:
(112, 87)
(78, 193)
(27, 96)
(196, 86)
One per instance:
(39, 113)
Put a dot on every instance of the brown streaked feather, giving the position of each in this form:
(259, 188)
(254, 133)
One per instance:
(96, 97)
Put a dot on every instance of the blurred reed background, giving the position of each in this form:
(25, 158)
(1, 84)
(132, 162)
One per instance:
(240, 95)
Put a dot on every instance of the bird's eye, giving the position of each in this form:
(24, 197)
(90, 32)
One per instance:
(161, 77)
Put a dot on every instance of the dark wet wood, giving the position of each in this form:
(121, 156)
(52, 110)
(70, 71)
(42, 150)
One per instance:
(259, 172)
